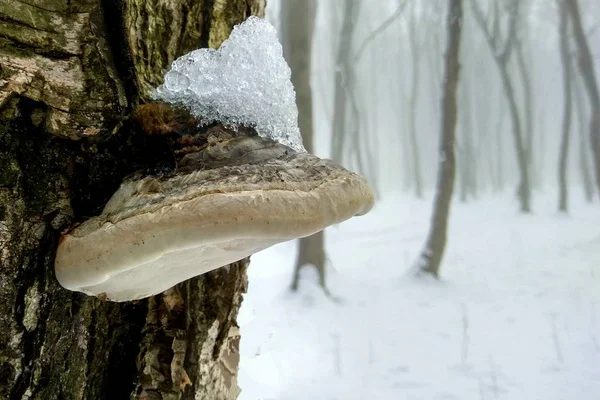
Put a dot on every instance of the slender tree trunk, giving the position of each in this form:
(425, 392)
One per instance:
(540, 146)
(298, 17)
(566, 124)
(528, 116)
(464, 141)
(524, 188)
(412, 106)
(367, 130)
(431, 257)
(338, 136)
(354, 124)
(482, 116)
(469, 162)
(501, 54)
(311, 252)
(405, 140)
(584, 167)
(500, 147)
(435, 83)
(72, 73)
(586, 67)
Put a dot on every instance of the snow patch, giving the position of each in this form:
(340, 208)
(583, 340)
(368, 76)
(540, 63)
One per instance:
(245, 82)
(515, 316)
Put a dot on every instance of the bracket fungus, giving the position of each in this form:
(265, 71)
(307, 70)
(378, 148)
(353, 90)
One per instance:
(236, 194)
(232, 192)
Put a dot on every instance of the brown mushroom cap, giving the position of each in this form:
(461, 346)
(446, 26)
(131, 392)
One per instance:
(234, 198)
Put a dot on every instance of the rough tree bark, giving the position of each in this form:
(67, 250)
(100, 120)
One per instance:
(431, 257)
(586, 67)
(71, 73)
(563, 27)
(298, 20)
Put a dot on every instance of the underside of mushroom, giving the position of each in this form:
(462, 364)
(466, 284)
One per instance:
(232, 194)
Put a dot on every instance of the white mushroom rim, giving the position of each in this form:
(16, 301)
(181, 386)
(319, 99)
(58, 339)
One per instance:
(152, 236)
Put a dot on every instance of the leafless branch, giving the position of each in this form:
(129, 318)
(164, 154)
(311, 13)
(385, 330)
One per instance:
(373, 35)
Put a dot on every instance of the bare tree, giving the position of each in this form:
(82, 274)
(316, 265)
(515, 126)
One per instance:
(586, 67)
(584, 167)
(364, 141)
(524, 65)
(466, 148)
(72, 72)
(342, 71)
(431, 257)
(501, 49)
(528, 116)
(298, 18)
(499, 148)
(415, 38)
(563, 27)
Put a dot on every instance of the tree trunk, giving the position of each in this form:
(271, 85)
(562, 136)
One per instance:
(407, 173)
(413, 102)
(566, 124)
(495, 150)
(298, 17)
(584, 167)
(431, 257)
(501, 53)
(524, 188)
(71, 74)
(466, 149)
(586, 67)
(528, 117)
(463, 143)
(311, 252)
(338, 135)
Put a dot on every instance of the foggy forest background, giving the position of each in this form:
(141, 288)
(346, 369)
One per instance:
(516, 313)
(395, 53)
(525, 96)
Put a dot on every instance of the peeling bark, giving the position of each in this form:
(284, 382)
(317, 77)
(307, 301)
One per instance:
(70, 75)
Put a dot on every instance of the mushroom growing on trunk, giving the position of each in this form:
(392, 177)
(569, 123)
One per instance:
(241, 182)
(237, 194)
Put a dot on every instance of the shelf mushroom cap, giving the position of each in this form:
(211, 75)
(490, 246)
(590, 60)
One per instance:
(234, 198)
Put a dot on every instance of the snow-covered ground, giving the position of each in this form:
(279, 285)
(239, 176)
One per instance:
(515, 316)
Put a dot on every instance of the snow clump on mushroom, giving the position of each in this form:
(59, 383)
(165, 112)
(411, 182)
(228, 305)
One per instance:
(245, 82)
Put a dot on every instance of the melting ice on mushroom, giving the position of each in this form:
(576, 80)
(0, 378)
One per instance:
(224, 202)
(245, 82)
